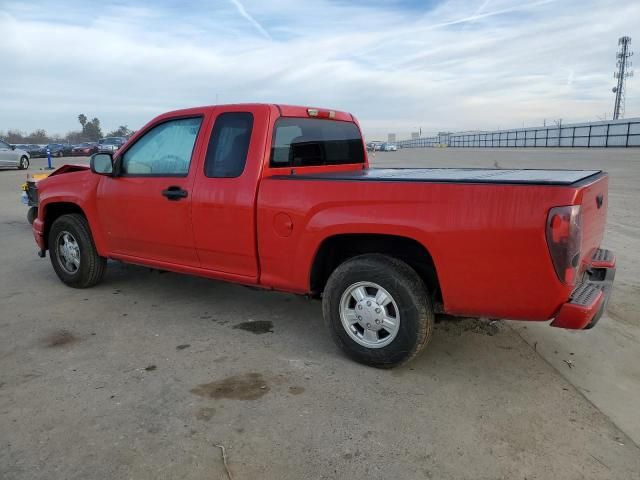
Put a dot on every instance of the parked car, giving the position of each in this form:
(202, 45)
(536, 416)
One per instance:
(34, 150)
(110, 144)
(85, 149)
(11, 156)
(282, 197)
(390, 147)
(59, 149)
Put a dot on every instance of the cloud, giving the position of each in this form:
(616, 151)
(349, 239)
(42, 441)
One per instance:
(454, 65)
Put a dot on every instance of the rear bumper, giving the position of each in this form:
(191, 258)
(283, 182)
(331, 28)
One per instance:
(589, 299)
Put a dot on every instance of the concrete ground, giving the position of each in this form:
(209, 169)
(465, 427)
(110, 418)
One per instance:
(143, 375)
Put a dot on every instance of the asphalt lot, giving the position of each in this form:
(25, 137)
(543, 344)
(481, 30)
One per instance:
(143, 375)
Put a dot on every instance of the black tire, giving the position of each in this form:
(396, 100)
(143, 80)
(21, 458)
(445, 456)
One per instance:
(23, 164)
(91, 265)
(32, 214)
(416, 317)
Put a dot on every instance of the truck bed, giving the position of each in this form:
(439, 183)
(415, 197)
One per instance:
(457, 175)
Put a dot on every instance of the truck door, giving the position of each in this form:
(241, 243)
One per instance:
(225, 192)
(146, 211)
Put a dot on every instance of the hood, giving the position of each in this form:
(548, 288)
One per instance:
(68, 169)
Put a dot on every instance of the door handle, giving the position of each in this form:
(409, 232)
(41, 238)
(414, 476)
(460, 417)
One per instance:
(174, 193)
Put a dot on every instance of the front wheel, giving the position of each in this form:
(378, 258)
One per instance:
(73, 254)
(378, 310)
(23, 164)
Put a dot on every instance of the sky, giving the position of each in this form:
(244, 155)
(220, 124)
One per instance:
(397, 65)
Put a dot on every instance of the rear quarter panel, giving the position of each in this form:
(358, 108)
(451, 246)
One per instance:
(487, 241)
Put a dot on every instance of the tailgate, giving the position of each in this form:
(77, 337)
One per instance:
(594, 215)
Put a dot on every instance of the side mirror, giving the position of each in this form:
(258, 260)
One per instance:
(102, 164)
(13, 147)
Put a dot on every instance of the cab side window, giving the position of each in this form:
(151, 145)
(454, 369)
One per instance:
(165, 150)
(229, 145)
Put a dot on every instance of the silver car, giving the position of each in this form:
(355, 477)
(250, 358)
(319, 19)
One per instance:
(13, 157)
(110, 144)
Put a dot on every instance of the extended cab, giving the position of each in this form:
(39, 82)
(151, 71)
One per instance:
(282, 198)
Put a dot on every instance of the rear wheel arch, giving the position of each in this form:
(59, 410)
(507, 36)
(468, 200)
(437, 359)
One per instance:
(336, 249)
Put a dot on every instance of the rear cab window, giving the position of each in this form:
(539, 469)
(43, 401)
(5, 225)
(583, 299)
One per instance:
(229, 145)
(307, 142)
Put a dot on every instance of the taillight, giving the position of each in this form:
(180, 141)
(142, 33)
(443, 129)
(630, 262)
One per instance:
(564, 237)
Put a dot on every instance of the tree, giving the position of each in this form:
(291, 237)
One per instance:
(92, 130)
(121, 131)
(14, 136)
(38, 136)
(74, 137)
(82, 118)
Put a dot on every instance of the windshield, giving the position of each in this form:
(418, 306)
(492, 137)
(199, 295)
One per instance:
(311, 141)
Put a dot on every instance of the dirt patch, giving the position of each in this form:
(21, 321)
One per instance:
(459, 325)
(60, 338)
(258, 327)
(182, 347)
(294, 390)
(249, 386)
(205, 413)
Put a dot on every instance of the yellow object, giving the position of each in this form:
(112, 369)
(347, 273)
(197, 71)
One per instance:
(34, 177)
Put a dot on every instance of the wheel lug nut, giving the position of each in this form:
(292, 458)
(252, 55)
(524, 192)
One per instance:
(368, 304)
(368, 325)
(378, 310)
(359, 307)
(359, 317)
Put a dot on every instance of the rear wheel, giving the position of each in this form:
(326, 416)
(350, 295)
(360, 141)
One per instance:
(23, 164)
(73, 254)
(378, 310)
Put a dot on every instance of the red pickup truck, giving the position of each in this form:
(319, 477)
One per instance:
(282, 197)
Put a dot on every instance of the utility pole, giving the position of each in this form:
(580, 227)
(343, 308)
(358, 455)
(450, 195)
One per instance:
(624, 64)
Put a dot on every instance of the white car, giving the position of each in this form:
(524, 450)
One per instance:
(11, 156)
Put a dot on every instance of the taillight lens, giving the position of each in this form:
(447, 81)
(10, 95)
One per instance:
(564, 237)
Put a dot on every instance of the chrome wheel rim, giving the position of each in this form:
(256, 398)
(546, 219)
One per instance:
(369, 315)
(68, 252)
(23, 163)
